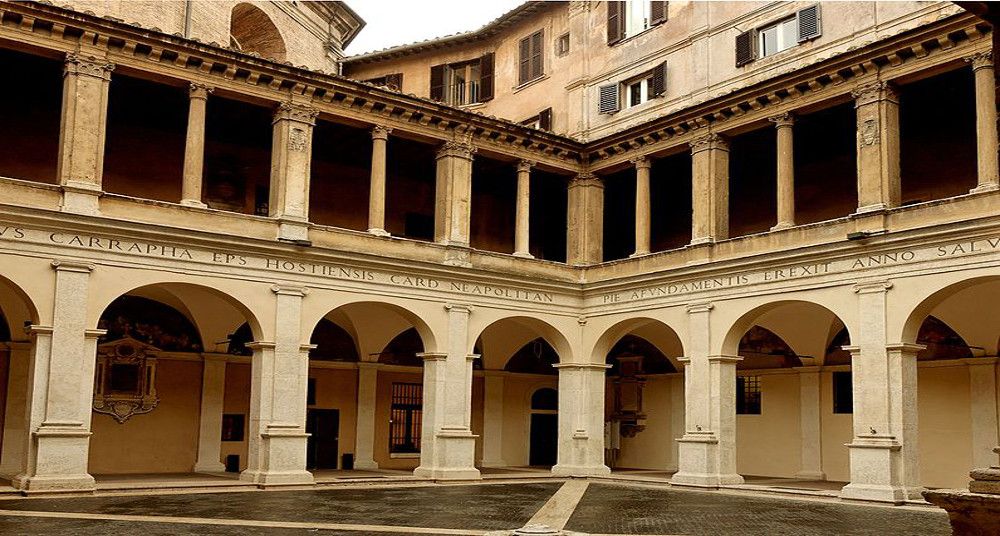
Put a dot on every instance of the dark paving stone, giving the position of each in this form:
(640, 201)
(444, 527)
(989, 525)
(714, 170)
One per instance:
(622, 510)
(485, 507)
(34, 526)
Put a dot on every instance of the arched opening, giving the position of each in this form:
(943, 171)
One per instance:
(251, 31)
(536, 357)
(16, 312)
(544, 437)
(793, 418)
(644, 397)
(957, 399)
(163, 372)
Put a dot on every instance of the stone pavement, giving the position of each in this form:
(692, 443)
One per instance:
(466, 509)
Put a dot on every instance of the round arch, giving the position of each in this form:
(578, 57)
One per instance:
(533, 328)
(926, 307)
(16, 305)
(811, 339)
(251, 30)
(656, 332)
(354, 312)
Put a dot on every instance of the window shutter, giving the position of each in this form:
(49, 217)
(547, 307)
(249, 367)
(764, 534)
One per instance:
(616, 22)
(657, 13)
(486, 77)
(524, 60)
(744, 48)
(545, 119)
(607, 102)
(437, 83)
(658, 82)
(536, 54)
(809, 23)
(394, 81)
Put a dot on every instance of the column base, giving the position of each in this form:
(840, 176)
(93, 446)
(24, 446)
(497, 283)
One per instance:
(811, 475)
(782, 225)
(81, 198)
(60, 460)
(209, 467)
(580, 470)
(702, 240)
(30, 485)
(282, 457)
(451, 457)
(379, 232)
(875, 472)
(448, 473)
(698, 466)
(293, 231)
(880, 493)
(868, 209)
(638, 254)
(523, 255)
(366, 465)
(278, 478)
(193, 203)
(984, 188)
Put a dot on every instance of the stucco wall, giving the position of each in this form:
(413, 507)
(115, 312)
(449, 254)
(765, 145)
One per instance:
(338, 389)
(771, 443)
(650, 449)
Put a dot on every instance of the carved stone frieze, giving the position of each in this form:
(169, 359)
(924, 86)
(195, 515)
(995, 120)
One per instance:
(289, 111)
(874, 92)
(709, 141)
(868, 132)
(88, 66)
(298, 139)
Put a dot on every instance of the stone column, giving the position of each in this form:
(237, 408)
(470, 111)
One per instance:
(364, 448)
(522, 222)
(86, 80)
(707, 451)
(291, 159)
(278, 385)
(585, 220)
(61, 389)
(213, 394)
(877, 106)
(493, 420)
(194, 146)
(884, 455)
(581, 420)
(642, 221)
(786, 171)
(811, 431)
(983, 401)
(15, 426)
(447, 446)
(376, 197)
(986, 121)
(709, 189)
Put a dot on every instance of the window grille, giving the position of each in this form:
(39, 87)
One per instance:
(748, 395)
(405, 417)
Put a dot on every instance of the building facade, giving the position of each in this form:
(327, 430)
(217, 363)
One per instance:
(713, 239)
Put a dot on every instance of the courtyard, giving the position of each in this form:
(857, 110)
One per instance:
(575, 506)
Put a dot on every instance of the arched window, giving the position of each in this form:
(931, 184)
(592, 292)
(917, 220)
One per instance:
(151, 322)
(251, 30)
(545, 399)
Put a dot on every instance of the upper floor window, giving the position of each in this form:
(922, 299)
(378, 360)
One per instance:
(530, 58)
(632, 17)
(562, 45)
(467, 82)
(391, 81)
(778, 36)
(542, 121)
(632, 92)
(748, 395)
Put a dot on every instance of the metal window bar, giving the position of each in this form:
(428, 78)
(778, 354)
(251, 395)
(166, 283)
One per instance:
(405, 418)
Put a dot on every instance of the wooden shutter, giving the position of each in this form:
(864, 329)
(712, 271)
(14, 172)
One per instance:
(657, 13)
(394, 81)
(545, 119)
(607, 99)
(536, 54)
(437, 83)
(523, 60)
(486, 77)
(809, 23)
(744, 48)
(616, 22)
(658, 81)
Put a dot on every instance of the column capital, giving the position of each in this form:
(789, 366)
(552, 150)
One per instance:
(875, 91)
(289, 290)
(381, 132)
(693, 308)
(458, 308)
(290, 111)
(724, 359)
(980, 59)
(79, 64)
(709, 141)
(456, 149)
(872, 287)
(905, 349)
(581, 366)
(200, 91)
(524, 166)
(72, 266)
(641, 162)
(786, 119)
(432, 356)
(588, 179)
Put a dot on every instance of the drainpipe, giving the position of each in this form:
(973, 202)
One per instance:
(187, 18)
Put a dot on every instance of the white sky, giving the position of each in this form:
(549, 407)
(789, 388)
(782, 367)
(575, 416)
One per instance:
(398, 22)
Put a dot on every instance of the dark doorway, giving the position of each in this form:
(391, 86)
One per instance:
(321, 447)
(544, 439)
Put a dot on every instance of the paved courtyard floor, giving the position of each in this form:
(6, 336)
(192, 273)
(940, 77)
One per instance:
(575, 506)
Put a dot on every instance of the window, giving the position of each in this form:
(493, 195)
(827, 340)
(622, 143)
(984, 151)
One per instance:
(232, 426)
(637, 92)
(405, 417)
(843, 392)
(633, 92)
(542, 121)
(562, 45)
(467, 82)
(748, 395)
(530, 58)
(633, 17)
(391, 81)
(778, 36)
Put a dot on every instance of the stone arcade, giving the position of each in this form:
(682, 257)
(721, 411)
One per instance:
(430, 263)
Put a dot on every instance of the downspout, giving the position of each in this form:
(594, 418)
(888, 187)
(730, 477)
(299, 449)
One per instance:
(187, 18)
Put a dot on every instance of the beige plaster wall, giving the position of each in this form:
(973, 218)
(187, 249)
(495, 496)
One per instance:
(650, 449)
(837, 431)
(770, 444)
(162, 441)
(517, 391)
(237, 400)
(945, 426)
(338, 389)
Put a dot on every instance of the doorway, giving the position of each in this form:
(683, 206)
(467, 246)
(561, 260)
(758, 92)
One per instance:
(323, 425)
(544, 439)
